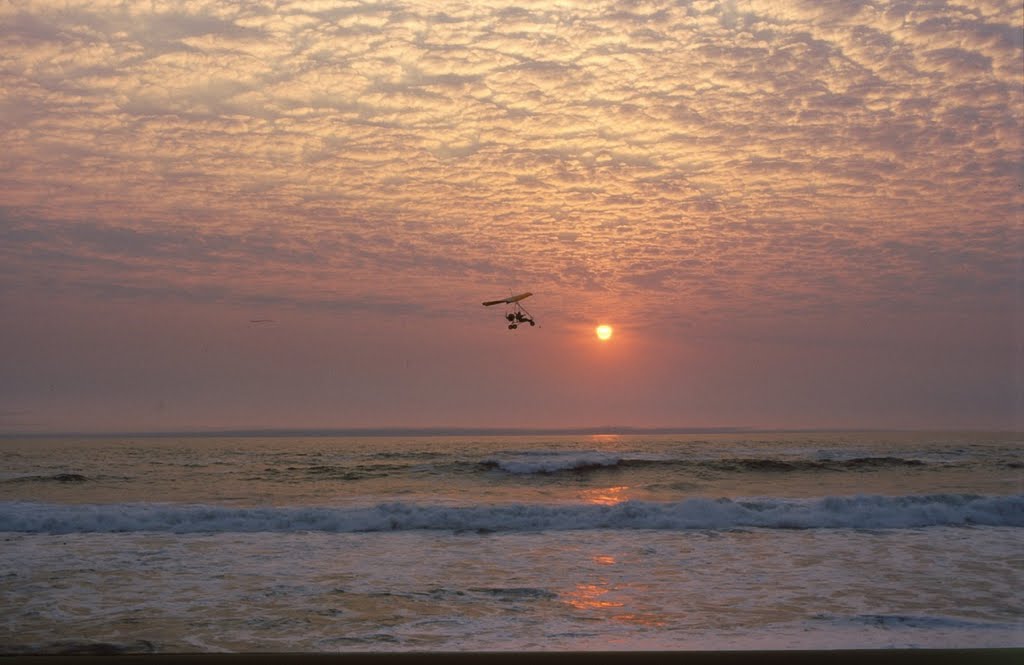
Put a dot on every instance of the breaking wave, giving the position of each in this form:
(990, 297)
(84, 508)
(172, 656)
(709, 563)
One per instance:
(553, 463)
(549, 463)
(847, 512)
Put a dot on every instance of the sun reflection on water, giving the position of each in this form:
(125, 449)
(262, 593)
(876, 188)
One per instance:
(589, 597)
(594, 598)
(605, 496)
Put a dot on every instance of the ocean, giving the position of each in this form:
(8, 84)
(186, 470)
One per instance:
(706, 541)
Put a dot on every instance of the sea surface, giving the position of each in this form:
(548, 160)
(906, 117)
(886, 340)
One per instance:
(568, 542)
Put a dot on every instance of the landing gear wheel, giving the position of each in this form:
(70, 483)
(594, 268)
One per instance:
(512, 326)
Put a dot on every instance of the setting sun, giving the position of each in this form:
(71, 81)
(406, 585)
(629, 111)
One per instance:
(604, 332)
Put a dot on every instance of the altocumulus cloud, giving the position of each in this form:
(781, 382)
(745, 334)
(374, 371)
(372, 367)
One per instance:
(730, 154)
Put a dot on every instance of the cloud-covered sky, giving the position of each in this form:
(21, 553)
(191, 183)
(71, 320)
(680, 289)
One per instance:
(795, 214)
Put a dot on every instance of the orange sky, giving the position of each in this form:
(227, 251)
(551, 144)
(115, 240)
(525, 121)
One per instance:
(795, 214)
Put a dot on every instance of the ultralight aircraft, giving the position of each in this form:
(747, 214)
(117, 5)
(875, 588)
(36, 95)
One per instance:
(515, 314)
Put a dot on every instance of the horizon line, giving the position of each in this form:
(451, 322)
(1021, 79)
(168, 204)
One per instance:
(464, 431)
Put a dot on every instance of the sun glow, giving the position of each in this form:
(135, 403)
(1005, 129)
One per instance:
(604, 332)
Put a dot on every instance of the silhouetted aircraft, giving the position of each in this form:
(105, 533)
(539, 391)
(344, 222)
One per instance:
(517, 313)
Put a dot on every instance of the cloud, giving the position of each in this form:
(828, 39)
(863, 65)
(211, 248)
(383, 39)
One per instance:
(754, 154)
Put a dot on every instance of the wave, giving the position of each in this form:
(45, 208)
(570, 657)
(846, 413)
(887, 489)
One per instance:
(57, 477)
(771, 464)
(847, 512)
(550, 463)
(913, 621)
(554, 463)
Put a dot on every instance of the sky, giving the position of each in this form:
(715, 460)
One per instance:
(287, 213)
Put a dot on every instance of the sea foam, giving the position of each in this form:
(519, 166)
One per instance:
(847, 512)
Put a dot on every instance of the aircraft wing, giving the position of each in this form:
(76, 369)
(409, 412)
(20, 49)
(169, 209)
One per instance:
(510, 299)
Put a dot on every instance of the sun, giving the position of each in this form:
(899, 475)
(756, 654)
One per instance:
(604, 332)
